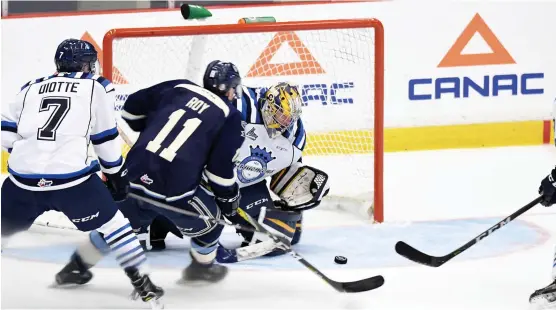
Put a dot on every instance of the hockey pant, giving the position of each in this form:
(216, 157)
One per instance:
(88, 205)
(204, 234)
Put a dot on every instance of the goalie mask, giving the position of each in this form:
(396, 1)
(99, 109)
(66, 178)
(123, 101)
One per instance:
(281, 108)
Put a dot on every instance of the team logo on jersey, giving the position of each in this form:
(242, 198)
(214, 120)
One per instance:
(250, 134)
(145, 179)
(44, 183)
(254, 166)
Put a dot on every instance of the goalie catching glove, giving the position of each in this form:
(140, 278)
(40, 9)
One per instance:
(299, 187)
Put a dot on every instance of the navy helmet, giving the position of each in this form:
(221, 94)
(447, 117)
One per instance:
(221, 76)
(74, 55)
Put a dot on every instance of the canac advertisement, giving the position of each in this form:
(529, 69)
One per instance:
(482, 83)
(471, 64)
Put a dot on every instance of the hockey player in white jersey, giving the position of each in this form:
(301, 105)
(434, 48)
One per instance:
(274, 141)
(273, 145)
(545, 298)
(48, 131)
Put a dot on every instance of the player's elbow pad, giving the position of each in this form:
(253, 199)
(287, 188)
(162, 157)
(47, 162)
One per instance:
(137, 125)
(135, 122)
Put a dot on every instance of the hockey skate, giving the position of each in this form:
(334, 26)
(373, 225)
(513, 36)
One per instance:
(198, 273)
(144, 288)
(544, 298)
(75, 272)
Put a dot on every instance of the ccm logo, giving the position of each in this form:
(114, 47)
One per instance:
(256, 203)
(85, 219)
(493, 229)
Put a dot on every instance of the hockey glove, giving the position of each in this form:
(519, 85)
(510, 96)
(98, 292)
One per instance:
(229, 205)
(300, 187)
(548, 189)
(118, 184)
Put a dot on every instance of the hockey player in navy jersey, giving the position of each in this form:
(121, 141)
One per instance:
(273, 145)
(48, 131)
(187, 132)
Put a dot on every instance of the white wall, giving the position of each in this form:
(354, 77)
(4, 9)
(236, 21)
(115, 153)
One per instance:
(418, 35)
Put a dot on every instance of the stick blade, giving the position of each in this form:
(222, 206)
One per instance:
(417, 256)
(362, 285)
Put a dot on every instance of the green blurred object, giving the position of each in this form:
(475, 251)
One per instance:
(190, 11)
(252, 20)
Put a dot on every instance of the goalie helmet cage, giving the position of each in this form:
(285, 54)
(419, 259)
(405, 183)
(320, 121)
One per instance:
(330, 54)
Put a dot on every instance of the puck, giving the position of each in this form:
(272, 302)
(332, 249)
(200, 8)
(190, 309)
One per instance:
(340, 260)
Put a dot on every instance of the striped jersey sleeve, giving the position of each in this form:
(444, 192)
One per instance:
(300, 137)
(249, 104)
(10, 120)
(104, 131)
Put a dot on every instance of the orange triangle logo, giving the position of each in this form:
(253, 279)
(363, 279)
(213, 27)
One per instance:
(498, 56)
(117, 77)
(308, 64)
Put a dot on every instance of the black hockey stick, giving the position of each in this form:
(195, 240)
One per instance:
(346, 287)
(192, 214)
(417, 256)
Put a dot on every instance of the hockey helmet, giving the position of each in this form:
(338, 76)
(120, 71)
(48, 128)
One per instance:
(221, 76)
(281, 108)
(74, 55)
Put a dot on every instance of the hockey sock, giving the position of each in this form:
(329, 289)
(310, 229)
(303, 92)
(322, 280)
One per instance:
(93, 250)
(203, 253)
(123, 242)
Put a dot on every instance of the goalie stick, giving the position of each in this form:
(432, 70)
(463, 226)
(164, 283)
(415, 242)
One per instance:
(345, 287)
(417, 256)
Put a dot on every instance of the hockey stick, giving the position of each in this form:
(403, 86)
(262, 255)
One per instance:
(346, 287)
(190, 213)
(417, 256)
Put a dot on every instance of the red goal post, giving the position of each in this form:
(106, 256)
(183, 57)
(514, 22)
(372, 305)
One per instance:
(361, 148)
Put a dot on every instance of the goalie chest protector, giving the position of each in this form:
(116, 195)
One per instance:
(260, 156)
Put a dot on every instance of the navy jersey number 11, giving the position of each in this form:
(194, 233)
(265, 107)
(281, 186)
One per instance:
(188, 131)
(170, 152)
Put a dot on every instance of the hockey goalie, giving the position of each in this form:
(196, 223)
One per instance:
(275, 186)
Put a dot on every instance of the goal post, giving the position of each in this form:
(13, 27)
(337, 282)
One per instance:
(338, 65)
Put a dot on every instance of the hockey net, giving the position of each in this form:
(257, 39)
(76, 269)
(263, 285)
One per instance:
(337, 64)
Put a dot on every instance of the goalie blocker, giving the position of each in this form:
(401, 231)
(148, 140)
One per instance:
(299, 188)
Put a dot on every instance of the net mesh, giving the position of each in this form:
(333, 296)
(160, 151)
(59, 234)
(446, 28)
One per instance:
(333, 68)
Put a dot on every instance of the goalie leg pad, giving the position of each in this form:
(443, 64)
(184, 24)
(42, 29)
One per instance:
(298, 230)
(253, 198)
(277, 222)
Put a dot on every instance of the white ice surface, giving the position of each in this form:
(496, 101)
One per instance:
(480, 185)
